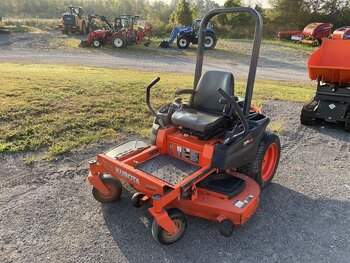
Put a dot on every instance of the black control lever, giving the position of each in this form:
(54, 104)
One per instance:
(148, 96)
(238, 109)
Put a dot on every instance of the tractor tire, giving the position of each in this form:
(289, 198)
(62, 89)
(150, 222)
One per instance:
(119, 42)
(96, 43)
(65, 31)
(183, 42)
(306, 117)
(266, 160)
(210, 41)
(115, 187)
(83, 29)
(347, 121)
(166, 238)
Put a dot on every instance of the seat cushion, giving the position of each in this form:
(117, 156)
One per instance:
(196, 120)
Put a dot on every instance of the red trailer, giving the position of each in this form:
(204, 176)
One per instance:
(314, 33)
(342, 33)
(287, 34)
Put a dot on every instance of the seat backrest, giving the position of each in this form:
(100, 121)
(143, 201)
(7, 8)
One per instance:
(207, 97)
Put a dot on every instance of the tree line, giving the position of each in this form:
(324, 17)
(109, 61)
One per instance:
(283, 14)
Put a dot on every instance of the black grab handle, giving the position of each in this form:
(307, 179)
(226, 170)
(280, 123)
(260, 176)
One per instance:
(148, 94)
(238, 109)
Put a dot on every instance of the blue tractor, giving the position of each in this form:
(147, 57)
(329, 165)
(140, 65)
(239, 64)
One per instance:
(189, 34)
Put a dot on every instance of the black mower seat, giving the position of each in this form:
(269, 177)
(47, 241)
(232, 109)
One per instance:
(205, 114)
(197, 120)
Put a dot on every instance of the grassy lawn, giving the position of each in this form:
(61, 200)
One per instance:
(57, 108)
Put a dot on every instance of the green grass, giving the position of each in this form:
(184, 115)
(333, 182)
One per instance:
(287, 44)
(57, 108)
(21, 29)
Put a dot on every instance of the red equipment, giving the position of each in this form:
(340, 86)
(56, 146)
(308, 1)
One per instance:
(342, 33)
(287, 34)
(314, 33)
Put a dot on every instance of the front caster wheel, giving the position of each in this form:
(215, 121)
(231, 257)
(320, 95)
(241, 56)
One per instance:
(166, 238)
(226, 228)
(113, 185)
(136, 199)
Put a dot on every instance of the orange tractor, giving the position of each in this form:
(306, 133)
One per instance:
(330, 67)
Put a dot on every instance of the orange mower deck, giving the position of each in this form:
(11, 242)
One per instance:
(161, 194)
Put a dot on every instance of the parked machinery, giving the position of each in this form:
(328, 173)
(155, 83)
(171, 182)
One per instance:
(104, 36)
(314, 33)
(342, 33)
(330, 66)
(74, 21)
(189, 34)
(124, 32)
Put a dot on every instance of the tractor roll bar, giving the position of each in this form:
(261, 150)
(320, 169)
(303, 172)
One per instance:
(255, 51)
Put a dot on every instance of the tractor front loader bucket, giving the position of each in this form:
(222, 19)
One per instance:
(164, 44)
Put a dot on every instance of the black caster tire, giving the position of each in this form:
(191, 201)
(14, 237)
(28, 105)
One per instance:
(183, 42)
(164, 237)
(226, 228)
(307, 121)
(114, 186)
(265, 164)
(306, 118)
(136, 199)
(347, 122)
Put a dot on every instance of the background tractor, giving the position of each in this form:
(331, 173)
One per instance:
(189, 34)
(74, 21)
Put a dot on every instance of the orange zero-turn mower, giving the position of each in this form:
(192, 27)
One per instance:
(207, 157)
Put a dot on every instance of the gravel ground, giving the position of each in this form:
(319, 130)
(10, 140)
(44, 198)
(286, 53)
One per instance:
(274, 64)
(49, 215)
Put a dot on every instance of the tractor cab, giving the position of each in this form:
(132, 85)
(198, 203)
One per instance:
(74, 21)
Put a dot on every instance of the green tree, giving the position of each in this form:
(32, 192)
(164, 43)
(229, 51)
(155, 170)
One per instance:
(182, 15)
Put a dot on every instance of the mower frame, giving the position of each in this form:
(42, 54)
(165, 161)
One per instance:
(193, 160)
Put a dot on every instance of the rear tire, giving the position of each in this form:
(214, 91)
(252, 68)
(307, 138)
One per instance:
(210, 41)
(119, 42)
(265, 164)
(83, 29)
(183, 42)
(115, 187)
(164, 237)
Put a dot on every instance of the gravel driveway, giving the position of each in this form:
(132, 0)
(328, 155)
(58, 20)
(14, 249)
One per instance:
(49, 215)
(275, 63)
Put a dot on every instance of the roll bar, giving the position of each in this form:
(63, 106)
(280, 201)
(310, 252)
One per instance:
(255, 51)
